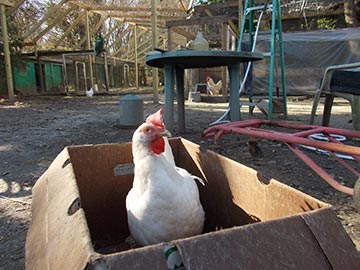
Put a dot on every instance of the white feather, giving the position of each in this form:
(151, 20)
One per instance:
(170, 157)
(163, 203)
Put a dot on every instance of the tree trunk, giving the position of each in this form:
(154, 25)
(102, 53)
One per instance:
(350, 13)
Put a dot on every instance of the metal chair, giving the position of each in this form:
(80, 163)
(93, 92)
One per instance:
(339, 81)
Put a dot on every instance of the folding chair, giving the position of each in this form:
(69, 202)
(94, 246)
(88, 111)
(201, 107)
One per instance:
(339, 81)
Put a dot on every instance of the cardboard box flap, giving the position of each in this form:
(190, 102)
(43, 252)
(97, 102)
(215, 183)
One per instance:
(333, 240)
(103, 190)
(286, 243)
(60, 222)
(146, 258)
(243, 196)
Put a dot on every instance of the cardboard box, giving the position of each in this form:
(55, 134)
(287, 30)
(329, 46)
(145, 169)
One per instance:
(79, 217)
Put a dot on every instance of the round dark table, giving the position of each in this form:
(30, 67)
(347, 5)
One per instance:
(175, 62)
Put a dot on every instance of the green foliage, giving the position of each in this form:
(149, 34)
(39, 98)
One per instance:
(322, 23)
(325, 23)
(308, 25)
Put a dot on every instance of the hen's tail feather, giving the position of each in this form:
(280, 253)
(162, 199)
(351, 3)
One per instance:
(185, 172)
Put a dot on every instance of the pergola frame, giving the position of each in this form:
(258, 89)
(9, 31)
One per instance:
(138, 21)
(140, 17)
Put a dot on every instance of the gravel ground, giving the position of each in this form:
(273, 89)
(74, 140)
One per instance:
(33, 130)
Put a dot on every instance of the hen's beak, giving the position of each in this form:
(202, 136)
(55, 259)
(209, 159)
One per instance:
(166, 133)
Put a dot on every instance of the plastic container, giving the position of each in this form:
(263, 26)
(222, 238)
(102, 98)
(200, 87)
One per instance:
(200, 43)
(131, 111)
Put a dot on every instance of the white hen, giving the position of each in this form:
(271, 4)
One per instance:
(163, 204)
(157, 120)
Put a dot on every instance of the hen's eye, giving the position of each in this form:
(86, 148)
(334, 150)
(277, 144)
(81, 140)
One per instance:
(147, 130)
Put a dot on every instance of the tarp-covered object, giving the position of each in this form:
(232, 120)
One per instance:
(307, 54)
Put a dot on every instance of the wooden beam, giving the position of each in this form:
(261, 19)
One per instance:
(110, 30)
(52, 11)
(119, 39)
(182, 5)
(16, 6)
(146, 48)
(92, 32)
(125, 47)
(154, 44)
(128, 52)
(240, 15)
(183, 32)
(234, 28)
(140, 16)
(143, 41)
(52, 24)
(88, 47)
(170, 39)
(160, 23)
(161, 29)
(7, 3)
(198, 21)
(71, 27)
(135, 20)
(232, 25)
(215, 6)
(123, 8)
(100, 22)
(136, 60)
(141, 54)
(208, 12)
(9, 78)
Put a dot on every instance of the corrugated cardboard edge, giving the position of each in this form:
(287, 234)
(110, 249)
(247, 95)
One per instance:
(288, 243)
(50, 244)
(150, 257)
(335, 243)
(242, 190)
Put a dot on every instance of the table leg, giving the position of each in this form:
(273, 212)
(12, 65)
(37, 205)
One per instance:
(234, 75)
(329, 100)
(169, 97)
(180, 95)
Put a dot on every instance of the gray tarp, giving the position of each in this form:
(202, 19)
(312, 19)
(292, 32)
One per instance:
(307, 54)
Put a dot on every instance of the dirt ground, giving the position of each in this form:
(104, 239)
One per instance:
(33, 130)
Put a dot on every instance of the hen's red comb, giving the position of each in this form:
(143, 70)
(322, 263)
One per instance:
(156, 119)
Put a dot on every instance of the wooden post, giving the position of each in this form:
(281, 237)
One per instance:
(225, 46)
(106, 70)
(154, 44)
(136, 60)
(66, 88)
(41, 74)
(170, 37)
(240, 13)
(88, 46)
(9, 77)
